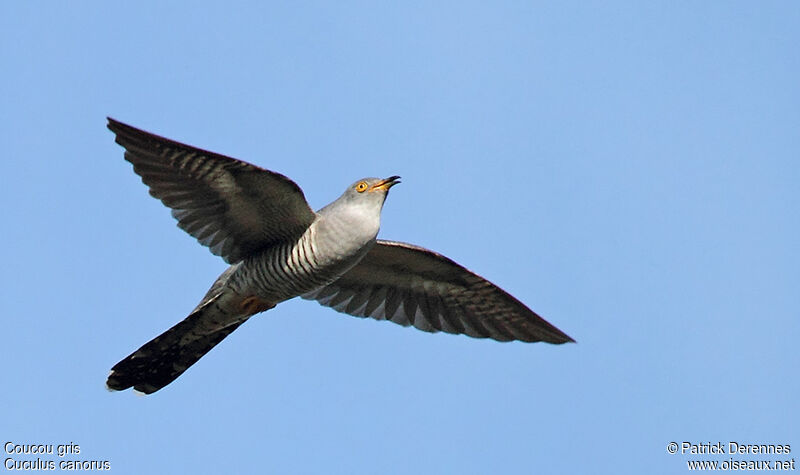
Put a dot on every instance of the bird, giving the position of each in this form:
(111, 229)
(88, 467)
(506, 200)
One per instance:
(277, 248)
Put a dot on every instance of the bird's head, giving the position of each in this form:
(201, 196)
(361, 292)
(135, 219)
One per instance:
(370, 191)
(360, 205)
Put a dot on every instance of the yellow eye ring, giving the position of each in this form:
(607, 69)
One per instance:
(361, 187)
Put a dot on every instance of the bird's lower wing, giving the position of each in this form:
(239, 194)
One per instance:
(410, 285)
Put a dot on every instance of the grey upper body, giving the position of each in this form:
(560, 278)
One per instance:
(259, 222)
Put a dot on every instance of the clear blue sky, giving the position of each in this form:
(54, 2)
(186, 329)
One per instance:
(627, 169)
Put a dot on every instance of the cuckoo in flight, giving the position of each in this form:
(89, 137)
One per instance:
(259, 222)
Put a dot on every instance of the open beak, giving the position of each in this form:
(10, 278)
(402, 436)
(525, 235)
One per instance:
(386, 183)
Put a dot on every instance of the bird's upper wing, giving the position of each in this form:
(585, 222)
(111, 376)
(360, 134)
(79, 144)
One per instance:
(410, 285)
(231, 206)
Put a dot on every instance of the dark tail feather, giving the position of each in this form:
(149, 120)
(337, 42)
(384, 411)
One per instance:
(167, 356)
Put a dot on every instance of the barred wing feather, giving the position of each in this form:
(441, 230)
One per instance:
(413, 286)
(231, 206)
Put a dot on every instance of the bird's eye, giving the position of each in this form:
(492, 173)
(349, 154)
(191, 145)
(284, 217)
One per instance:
(361, 187)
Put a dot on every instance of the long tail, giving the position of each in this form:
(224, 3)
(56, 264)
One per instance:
(167, 356)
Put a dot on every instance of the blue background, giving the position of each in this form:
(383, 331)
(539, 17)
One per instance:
(627, 169)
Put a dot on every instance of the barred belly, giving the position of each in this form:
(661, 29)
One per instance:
(291, 269)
